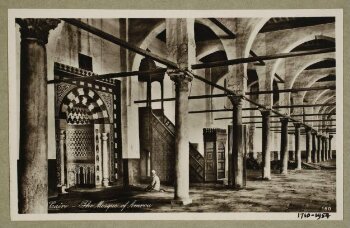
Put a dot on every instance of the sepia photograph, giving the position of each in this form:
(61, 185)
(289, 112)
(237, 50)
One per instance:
(141, 114)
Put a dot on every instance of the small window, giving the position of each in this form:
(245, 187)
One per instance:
(85, 62)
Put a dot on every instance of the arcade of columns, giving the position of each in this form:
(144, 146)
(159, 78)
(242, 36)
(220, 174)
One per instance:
(33, 184)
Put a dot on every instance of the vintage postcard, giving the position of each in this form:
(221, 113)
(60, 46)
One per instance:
(176, 115)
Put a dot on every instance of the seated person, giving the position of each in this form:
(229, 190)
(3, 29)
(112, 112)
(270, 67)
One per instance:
(155, 185)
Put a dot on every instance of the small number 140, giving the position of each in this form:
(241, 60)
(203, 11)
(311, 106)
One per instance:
(326, 208)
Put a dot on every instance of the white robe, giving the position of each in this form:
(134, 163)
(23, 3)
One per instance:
(155, 183)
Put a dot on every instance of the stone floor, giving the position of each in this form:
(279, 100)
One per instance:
(305, 190)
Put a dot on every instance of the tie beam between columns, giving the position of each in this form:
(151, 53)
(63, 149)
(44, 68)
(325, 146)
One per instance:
(107, 76)
(278, 127)
(320, 129)
(301, 133)
(294, 90)
(276, 116)
(257, 108)
(257, 122)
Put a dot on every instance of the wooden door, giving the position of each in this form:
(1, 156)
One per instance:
(210, 161)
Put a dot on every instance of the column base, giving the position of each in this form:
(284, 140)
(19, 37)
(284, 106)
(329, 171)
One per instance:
(266, 173)
(284, 172)
(105, 183)
(236, 187)
(181, 202)
(63, 189)
(266, 178)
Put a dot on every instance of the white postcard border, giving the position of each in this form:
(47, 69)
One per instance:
(78, 13)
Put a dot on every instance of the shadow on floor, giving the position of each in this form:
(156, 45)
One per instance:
(299, 191)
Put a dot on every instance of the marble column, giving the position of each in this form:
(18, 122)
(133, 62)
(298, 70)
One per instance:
(62, 161)
(322, 148)
(330, 147)
(277, 150)
(308, 144)
(237, 143)
(181, 49)
(326, 149)
(266, 142)
(319, 148)
(181, 138)
(33, 155)
(326, 157)
(314, 148)
(284, 146)
(252, 148)
(148, 169)
(297, 146)
(105, 168)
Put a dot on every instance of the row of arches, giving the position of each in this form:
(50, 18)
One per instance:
(293, 40)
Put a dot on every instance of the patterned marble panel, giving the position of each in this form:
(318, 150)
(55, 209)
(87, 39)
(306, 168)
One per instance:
(108, 101)
(62, 89)
(80, 143)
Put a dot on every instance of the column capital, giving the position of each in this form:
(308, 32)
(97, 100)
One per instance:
(265, 112)
(36, 28)
(62, 134)
(180, 78)
(307, 129)
(297, 125)
(251, 127)
(284, 120)
(330, 136)
(104, 136)
(235, 100)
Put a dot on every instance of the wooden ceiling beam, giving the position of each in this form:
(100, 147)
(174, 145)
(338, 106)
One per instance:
(293, 90)
(231, 34)
(280, 80)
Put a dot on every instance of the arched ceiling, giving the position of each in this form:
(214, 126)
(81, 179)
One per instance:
(268, 37)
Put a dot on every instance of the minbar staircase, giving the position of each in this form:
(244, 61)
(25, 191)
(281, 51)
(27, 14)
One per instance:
(196, 159)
